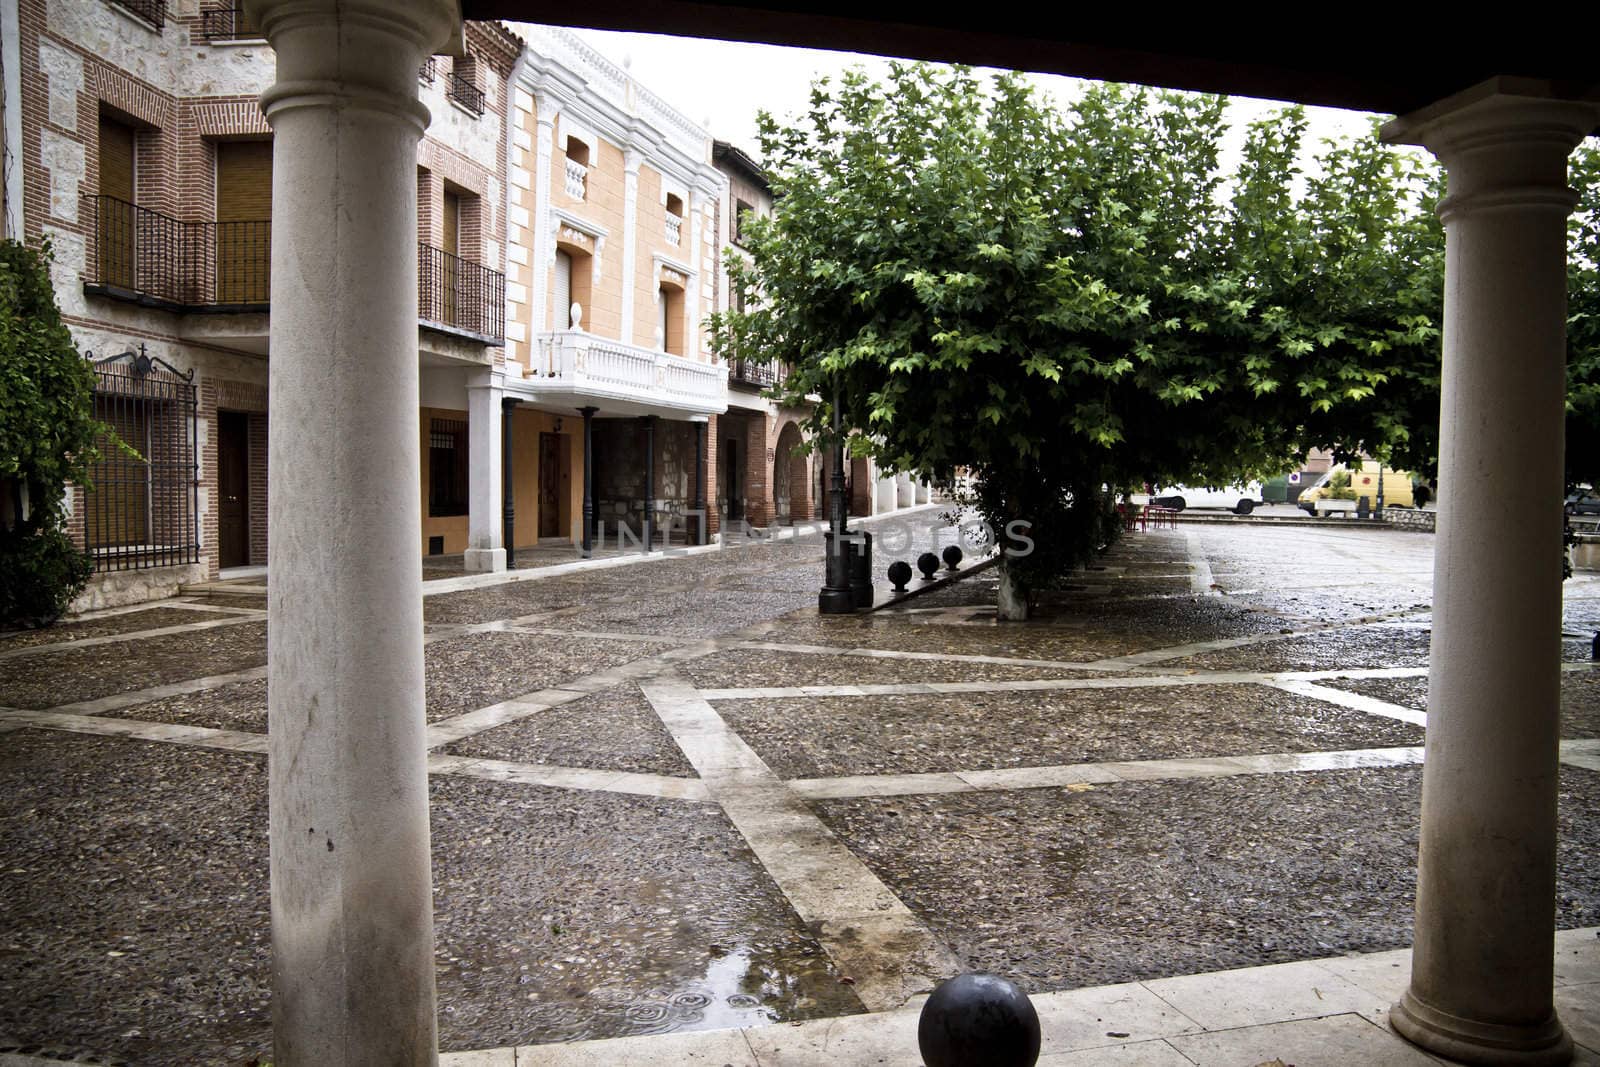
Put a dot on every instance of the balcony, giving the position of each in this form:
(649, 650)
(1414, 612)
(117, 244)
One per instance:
(762, 374)
(152, 11)
(459, 87)
(144, 257)
(228, 23)
(578, 369)
(457, 294)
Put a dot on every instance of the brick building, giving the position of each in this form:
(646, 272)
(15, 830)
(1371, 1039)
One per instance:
(136, 144)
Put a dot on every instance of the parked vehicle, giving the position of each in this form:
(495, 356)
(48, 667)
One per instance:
(1240, 499)
(1341, 489)
(1585, 501)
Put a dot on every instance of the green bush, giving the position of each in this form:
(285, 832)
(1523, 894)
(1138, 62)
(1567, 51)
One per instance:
(40, 572)
(47, 441)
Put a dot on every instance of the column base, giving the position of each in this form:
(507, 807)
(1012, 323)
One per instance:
(1468, 1041)
(485, 559)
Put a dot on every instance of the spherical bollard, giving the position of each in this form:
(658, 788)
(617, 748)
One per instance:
(927, 563)
(952, 556)
(978, 1019)
(899, 574)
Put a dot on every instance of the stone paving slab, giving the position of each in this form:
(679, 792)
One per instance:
(46, 679)
(841, 736)
(467, 672)
(614, 729)
(1164, 877)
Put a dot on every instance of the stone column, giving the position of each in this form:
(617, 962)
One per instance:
(649, 478)
(352, 920)
(1482, 962)
(588, 480)
(693, 315)
(508, 483)
(631, 159)
(486, 550)
(700, 537)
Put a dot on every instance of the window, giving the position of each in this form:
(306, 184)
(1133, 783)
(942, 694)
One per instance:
(447, 467)
(669, 322)
(228, 22)
(742, 214)
(462, 86)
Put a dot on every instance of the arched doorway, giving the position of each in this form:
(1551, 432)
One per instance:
(788, 492)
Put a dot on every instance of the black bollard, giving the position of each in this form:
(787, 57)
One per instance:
(952, 556)
(927, 563)
(978, 1019)
(861, 572)
(899, 574)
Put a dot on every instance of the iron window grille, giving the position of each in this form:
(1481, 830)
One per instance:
(143, 498)
(428, 71)
(460, 88)
(447, 467)
(152, 11)
(228, 23)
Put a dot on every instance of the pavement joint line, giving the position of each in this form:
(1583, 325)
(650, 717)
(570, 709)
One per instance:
(1129, 681)
(868, 931)
(597, 635)
(660, 786)
(115, 701)
(1355, 701)
(133, 635)
(139, 730)
(1106, 772)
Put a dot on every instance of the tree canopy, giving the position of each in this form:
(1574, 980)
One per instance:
(1060, 300)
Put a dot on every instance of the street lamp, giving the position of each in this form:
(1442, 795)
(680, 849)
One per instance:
(835, 597)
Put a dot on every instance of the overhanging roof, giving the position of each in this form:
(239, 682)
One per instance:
(1336, 58)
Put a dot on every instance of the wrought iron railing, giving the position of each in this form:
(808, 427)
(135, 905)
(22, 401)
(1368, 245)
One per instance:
(227, 23)
(460, 294)
(150, 258)
(428, 71)
(761, 373)
(141, 507)
(152, 11)
(460, 89)
(145, 257)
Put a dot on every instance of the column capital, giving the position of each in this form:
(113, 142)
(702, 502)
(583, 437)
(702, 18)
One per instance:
(632, 159)
(1504, 143)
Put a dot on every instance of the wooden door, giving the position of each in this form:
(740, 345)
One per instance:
(244, 228)
(729, 462)
(115, 221)
(121, 516)
(549, 485)
(233, 487)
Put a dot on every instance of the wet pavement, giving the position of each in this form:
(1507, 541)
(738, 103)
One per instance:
(1123, 789)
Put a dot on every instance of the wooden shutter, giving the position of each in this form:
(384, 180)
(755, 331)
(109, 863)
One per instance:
(244, 211)
(115, 224)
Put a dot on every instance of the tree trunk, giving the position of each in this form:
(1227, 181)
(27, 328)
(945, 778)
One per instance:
(1013, 603)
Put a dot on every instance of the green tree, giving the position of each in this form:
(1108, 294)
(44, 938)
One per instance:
(47, 440)
(1061, 302)
(1583, 319)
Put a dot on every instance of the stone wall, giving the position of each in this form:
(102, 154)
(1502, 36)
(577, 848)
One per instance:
(1410, 519)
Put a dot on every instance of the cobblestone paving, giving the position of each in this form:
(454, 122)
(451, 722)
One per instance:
(1143, 796)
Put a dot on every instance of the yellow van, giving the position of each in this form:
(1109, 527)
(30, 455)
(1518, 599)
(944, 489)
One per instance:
(1341, 489)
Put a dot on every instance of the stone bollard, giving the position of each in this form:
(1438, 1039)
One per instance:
(928, 564)
(899, 574)
(952, 556)
(978, 1019)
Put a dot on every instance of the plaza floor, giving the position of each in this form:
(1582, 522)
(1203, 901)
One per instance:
(679, 818)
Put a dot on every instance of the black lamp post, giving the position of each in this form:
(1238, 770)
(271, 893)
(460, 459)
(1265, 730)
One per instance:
(835, 597)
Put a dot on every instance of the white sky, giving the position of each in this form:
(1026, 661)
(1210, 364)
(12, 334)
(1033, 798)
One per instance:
(722, 84)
